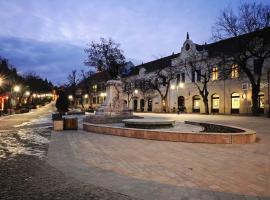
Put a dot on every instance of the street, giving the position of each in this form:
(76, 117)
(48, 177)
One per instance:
(37, 117)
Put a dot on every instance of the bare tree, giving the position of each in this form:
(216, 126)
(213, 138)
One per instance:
(84, 80)
(161, 81)
(145, 89)
(199, 69)
(142, 85)
(250, 17)
(254, 45)
(105, 56)
(73, 80)
(128, 89)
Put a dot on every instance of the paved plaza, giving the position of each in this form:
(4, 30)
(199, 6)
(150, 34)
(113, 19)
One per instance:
(147, 169)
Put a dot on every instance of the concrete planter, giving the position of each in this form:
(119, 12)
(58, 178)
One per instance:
(58, 125)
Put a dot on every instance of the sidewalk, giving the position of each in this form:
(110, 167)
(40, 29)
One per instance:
(157, 170)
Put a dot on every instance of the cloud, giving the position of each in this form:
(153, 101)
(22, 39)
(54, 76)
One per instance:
(48, 59)
(50, 36)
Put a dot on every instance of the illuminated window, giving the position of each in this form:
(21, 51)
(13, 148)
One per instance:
(235, 71)
(215, 73)
(261, 101)
(196, 103)
(215, 101)
(235, 100)
(95, 88)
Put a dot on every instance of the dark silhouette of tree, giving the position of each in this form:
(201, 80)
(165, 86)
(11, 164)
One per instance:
(252, 19)
(73, 80)
(36, 84)
(84, 81)
(62, 103)
(105, 55)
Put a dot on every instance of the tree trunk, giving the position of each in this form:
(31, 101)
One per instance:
(255, 99)
(128, 101)
(164, 104)
(204, 94)
(206, 106)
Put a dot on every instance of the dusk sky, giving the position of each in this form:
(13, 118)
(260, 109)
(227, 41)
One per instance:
(49, 37)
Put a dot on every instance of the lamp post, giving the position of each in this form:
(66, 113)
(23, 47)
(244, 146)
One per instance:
(268, 87)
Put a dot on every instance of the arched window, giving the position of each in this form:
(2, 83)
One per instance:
(261, 102)
(235, 102)
(181, 104)
(196, 103)
(215, 103)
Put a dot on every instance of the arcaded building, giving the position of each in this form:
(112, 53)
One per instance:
(230, 94)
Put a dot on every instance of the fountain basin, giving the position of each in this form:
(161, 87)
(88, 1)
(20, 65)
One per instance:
(148, 123)
(234, 135)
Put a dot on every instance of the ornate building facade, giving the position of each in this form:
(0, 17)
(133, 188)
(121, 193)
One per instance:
(229, 89)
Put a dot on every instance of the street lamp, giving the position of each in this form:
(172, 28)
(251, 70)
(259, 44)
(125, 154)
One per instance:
(27, 93)
(136, 91)
(172, 87)
(17, 88)
(70, 97)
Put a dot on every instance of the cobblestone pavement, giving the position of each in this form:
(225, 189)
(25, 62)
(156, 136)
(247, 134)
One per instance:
(149, 169)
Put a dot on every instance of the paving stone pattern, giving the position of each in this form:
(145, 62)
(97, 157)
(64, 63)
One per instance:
(149, 169)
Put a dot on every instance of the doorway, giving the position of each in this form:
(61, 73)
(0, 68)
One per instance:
(142, 105)
(181, 104)
(150, 105)
(135, 105)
